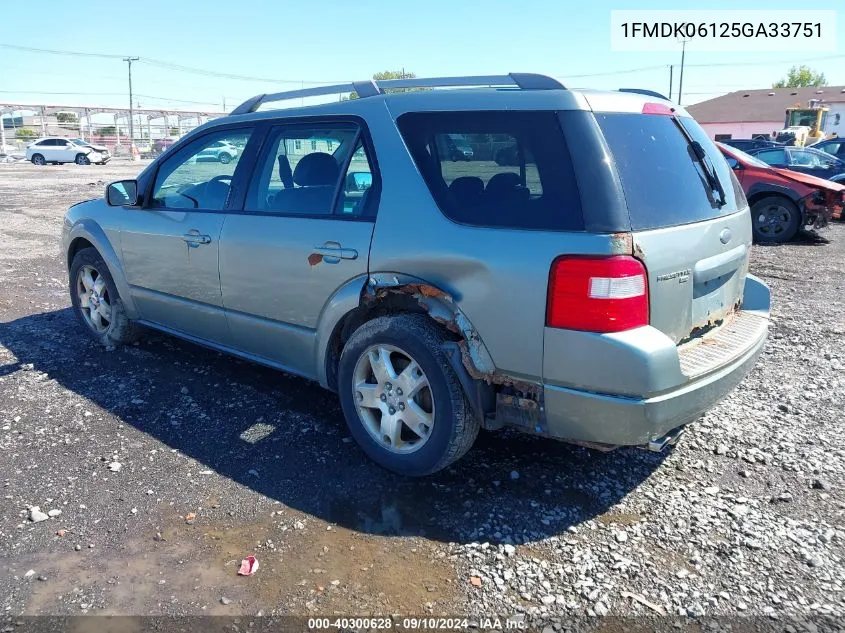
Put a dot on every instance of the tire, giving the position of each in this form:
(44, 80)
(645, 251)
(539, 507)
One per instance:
(82, 159)
(118, 330)
(774, 220)
(453, 426)
(38, 159)
(224, 158)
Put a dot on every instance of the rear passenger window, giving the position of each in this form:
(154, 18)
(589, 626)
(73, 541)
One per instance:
(496, 169)
(773, 157)
(328, 173)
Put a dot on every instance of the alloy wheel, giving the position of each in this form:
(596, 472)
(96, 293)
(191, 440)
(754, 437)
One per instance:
(393, 399)
(94, 300)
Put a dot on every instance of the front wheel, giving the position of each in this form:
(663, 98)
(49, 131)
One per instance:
(224, 158)
(402, 400)
(774, 220)
(82, 159)
(96, 302)
(38, 159)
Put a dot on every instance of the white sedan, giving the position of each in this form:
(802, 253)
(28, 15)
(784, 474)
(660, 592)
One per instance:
(61, 150)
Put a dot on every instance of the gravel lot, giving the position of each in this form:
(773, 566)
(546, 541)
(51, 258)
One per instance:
(163, 464)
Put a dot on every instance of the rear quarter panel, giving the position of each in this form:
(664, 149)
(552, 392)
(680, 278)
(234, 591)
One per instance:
(498, 277)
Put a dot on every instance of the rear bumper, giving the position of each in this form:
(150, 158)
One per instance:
(688, 380)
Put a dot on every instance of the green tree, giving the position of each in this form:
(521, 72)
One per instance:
(25, 133)
(801, 77)
(174, 131)
(389, 74)
(67, 117)
(107, 130)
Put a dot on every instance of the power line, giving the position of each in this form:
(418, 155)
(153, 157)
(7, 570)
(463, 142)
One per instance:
(771, 63)
(32, 49)
(169, 66)
(617, 72)
(110, 94)
(42, 92)
(212, 73)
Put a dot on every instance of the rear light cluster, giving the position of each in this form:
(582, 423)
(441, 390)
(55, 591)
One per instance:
(597, 294)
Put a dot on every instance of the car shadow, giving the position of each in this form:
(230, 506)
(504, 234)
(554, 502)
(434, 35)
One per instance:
(285, 438)
(804, 237)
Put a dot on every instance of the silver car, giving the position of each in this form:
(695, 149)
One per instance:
(583, 276)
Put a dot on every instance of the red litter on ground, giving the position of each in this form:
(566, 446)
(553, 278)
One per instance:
(249, 566)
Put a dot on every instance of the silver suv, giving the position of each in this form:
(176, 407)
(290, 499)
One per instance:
(581, 275)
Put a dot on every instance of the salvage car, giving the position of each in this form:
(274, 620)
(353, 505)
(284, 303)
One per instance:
(746, 144)
(781, 200)
(580, 294)
(58, 150)
(803, 159)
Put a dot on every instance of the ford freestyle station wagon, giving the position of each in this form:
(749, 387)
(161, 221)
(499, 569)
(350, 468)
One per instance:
(580, 274)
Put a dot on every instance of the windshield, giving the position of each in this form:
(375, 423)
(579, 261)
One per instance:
(664, 180)
(79, 141)
(802, 118)
(746, 158)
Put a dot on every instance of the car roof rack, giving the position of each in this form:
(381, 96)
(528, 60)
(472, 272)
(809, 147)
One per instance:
(643, 91)
(375, 87)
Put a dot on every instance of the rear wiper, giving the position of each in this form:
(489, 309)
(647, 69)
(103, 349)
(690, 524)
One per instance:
(700, 155)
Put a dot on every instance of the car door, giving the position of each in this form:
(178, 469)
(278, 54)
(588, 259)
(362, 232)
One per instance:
(49, 149)
(803, 161)
(65, 151)
(829, 166)
(834, 148)
(170, 246)
(303, 233)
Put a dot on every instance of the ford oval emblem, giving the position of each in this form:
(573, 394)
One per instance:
(725, 236)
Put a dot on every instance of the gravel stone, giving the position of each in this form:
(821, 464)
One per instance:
(36, 516)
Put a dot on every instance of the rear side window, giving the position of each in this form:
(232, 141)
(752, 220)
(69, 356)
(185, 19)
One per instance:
(773, 157)
(496, 169)
(664, 183)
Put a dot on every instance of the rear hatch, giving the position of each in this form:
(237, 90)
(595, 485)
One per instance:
(688, 217)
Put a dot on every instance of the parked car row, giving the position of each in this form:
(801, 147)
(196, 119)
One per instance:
(806, 160)
(825, 159)
(783, 200)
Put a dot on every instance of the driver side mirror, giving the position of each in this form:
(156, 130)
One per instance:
(359, 181)
(123, 193)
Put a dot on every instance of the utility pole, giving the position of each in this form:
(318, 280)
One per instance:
(683, 41)
(671, 70)
(224, 103)
(129, 60)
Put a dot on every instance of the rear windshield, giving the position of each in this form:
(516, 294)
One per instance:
(665, 184)
(496, 169)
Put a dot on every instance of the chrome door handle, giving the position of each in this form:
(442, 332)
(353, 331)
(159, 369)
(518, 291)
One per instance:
(333, 252)
(195, 239)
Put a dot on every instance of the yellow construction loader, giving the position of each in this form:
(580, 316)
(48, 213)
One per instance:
(804, 126)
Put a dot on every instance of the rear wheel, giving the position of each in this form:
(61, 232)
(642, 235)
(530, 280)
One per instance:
(774, 219)
(224, 158)
(96, 302)
(82, 159)
(38, 159)
(402, 401)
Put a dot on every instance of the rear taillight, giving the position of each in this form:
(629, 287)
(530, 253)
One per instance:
(597, 294)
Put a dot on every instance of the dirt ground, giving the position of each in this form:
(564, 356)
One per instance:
(170, 463)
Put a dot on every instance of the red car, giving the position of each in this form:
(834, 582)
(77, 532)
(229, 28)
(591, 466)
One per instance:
(781, 200)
